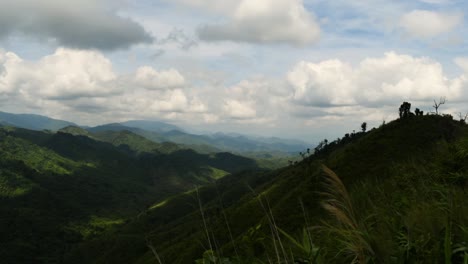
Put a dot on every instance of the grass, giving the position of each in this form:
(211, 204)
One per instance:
(349, 232)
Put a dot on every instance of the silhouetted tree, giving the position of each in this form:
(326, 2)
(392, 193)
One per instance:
(404, 110)
(437, 105)
(418, 112)
(364, 127)
(463, 118)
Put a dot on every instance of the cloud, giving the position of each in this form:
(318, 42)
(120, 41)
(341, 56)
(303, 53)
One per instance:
(428, 24)
(151, 79)
(77, 84)
(178, 37)
(374, 82)
(324, 83)
(266, 21)
(223, 7)
(437, 2)
(176, 101)
(239, 110)
(66, 74)
(257, 100)
(7, 60)
(462, 62)
(84, 24)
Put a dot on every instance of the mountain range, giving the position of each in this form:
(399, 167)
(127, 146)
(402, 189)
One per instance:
(394, 194)
(33, 122)
(162, 132)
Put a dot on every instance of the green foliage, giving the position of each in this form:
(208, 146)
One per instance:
(306, 250)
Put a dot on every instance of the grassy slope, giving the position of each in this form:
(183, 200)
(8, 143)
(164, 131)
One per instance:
(407, 180)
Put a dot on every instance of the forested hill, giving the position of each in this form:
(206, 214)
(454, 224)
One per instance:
(58, 189)
(395, 194)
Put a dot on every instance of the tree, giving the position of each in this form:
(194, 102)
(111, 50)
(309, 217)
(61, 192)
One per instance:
(462, 118)
(418, 112)
(437, 105)
(404, 110)
(364, 127)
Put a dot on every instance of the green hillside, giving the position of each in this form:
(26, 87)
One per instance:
(75, 130)
(127, 140)
(401, 199)
(59, 189)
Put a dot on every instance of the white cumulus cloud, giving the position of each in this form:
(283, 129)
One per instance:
(375, 81)
(239, 110)
(65, 74)
(151, 79)
(83, 83)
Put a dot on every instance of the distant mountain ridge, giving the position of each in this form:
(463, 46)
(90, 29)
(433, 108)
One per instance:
(32, 121)
(153, 126)
(216, 142)
(160, 132)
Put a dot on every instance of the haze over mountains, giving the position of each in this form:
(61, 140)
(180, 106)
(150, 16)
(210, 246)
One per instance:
(163, 132)
(33, 122)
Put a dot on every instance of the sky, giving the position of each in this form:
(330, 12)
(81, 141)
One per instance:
(304, 69)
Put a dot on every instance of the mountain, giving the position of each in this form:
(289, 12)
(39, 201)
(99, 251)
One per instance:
(242, 143)
(153, 126)
(160, 132)
(126, 139)
(396, 194)
(75, 130)
(33, 122)
(111, 127)
(209, 143)
(59, 189)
